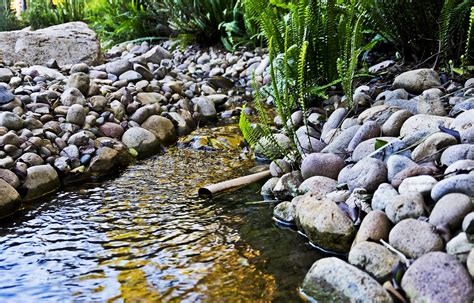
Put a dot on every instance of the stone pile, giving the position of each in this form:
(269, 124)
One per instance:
(66, 122)
(391, 186)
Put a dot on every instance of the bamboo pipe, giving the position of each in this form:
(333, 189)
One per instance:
(208, 190)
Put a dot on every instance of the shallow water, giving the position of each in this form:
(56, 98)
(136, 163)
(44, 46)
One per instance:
(145, 237)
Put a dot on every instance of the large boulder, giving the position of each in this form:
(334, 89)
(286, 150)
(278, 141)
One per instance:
(437, 277)
(40, 181)
(333, 280)
(67, 43)
(9, 199)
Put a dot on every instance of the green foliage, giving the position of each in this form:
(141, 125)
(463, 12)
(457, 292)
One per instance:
(123, 20)
(8, 20)
(468, 56)
(422, 29)
(41, 13)
(208, 21)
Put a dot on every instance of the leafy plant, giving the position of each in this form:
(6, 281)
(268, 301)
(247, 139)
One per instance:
(8, 20)
(41, 13)
(468, 56)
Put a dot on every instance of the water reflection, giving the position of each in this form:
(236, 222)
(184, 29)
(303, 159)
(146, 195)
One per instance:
(145, 237)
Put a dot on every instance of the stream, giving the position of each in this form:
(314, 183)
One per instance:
(144, 236)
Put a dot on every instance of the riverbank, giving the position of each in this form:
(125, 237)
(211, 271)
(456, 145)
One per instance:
(64, 123)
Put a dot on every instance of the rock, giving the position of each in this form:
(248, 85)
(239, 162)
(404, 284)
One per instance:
(81, 81)
(450, 210)
(468, 224)
(396, 164)
(267, 188)
(437, 277)
(458, 184)
(112, 130)
(9, 177)
(416, 81)
(412, 172)
(99, 103)
(72, 96)
(460, 246)
(205, 107)
(142, 140)
(333, 280)
(10, 120)
(40, 181)
(9, 199)
(383, 196)
(307, 142)
(429, 150)
(335, 119)
(410, 205)
(415, 238)
(409, 105)
(162, 128)
(378, 113)
(5, 75)
(76, 114)
(118, 67)
(317, 185)
(322, 164)
(150, 98)
(79, 139)
(6, 95)
(417, 184)
(464, 121)
(118, 109)
(339, 145)
(287, 186)
(284, 212)
(325, 224)
(368, 130)
(467, 136)
(423, 122)
(143, 113)
(31, 159)
(279, 167)
(265, 147)
(67, 43)
(107, 159)
(457, 152)
(460, 166)
(470, 263)
(154, 55)
(368, 173)
(367, 147)
(431, 105)
(131, 76)
(394, 123)
(373, 258)
(374, 227)
(461, 107)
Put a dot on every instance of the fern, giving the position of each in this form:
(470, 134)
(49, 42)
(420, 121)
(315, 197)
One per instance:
(468, 51)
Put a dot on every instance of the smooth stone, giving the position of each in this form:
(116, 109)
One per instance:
(318, 185)
(368, 130)
(205, 107)
(467, 136)
(460, 246)
(418, 80)
(415, 238)
(76, 114)
(470, 263)
(131, 76)
(112, 130)
(9, 199)
(308, 143)
(10, 120)
(423, 122)
(409, 105)
(118, 67)
(374, 259)
(9, 177)
(458, 184)
(279, 167)
(80, 138)
(81, 81)
(396, 164)
(457, 152)
(162, 128)
(150, 98)
(72, 96)
(431, 105)
(404, 206)
(460, 166)
(451, 210)
(61, 164)
(429, 150)
(417, 184)
(463, 121)
(367, 147)
(107, 159)
(368, 173)
(265, 147)
(6, 95)
(394, 123)
(118, 109)
(333, 280)
(40, 181)
(7, 162)
(339, 145)
(322, 164)
(325, 224)
(284, 212)
(143, 113)
(374, 227)
(378, 113)
(31, 159)
(437, 277)
(267, 188)
(419, 170)
(334, 120)
(142, 140)
(287, 186)
(383, 196)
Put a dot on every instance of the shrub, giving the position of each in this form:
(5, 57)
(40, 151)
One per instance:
(40, 13)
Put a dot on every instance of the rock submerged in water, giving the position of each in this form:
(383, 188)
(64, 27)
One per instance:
(333, 280)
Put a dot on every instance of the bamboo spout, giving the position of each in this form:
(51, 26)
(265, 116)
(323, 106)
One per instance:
(209, 190)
